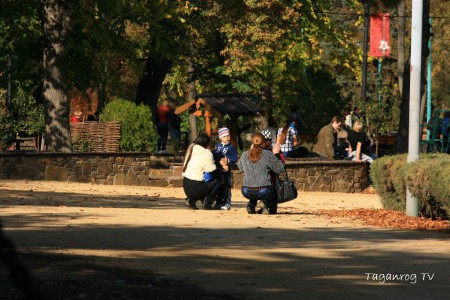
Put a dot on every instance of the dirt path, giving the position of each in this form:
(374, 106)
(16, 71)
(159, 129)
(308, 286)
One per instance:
(177, 253)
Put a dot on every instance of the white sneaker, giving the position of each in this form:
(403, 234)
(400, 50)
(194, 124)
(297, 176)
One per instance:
(226, 207)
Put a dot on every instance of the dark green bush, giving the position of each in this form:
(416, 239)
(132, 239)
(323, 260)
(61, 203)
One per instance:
(25, 115)
(427, 179)
(137, 130)
(8, 133)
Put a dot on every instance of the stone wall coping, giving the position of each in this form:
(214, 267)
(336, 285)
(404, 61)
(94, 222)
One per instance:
(63, 154)
(177, 158)
(324, 162)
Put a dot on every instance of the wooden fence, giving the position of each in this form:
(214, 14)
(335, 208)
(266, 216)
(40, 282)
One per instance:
(95, 136)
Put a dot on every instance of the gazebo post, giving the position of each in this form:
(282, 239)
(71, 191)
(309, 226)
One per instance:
(208, 117)
(234, 130)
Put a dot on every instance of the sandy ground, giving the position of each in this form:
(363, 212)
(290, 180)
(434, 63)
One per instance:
(295, 254)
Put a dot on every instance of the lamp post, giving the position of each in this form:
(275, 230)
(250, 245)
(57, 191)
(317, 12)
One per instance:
(412, 203)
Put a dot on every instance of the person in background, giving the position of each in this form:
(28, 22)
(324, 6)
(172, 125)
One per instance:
(256, 164)
(272, 125)
(76, 116)
(225, 151)
(198, 161)
(327, 138)
(268, 145)
(287, 138)
(295, 116)
(174, 127)
(357, 139)
(162, 126)
(348, 121)
(446, 131)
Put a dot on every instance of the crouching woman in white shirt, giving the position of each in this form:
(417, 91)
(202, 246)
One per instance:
(198, 160)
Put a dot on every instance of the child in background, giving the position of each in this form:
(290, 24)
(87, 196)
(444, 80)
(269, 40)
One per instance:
(225, 156)
(76, 116)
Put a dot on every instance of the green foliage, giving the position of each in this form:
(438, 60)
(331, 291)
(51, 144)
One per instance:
(266, 47)
(28, 115)
(82, 142)
(439, 53)
(427, 179)
(317, 105)
(6, 124)
(25, 116)
(137, 129)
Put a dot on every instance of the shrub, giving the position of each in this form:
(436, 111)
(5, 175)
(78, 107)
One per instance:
(25, 115)
(137, 129)
(427, 179)
(29, 116)
(385, 173)
(6, 128)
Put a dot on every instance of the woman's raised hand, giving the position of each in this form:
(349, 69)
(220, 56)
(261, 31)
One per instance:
(276, 148)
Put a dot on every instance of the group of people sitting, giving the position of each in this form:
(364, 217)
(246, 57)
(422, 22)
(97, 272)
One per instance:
(335, 141)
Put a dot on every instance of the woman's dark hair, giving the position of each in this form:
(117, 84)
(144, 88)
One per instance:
(203, 140)
(284, 132)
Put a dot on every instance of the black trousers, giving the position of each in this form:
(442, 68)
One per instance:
(199, 190)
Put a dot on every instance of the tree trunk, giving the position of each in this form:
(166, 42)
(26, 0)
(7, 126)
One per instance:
(401, 44)
(149, 88)
(57, 26)
(192, 93)
(401, 141)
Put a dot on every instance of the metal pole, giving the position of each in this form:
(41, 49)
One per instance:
(412, 203)
(365, 50)
(380, 81)
(429, 83)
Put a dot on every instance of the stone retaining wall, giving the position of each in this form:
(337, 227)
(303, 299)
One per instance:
(146, 169)
(142, 169)
(323, 176)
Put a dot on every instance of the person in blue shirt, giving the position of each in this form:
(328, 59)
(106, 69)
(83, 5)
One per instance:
(225, 156)
(446, 130)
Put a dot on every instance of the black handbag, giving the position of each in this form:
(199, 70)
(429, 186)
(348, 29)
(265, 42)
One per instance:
(286, 189)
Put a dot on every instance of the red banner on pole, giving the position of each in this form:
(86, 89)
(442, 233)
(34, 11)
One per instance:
(380, 42)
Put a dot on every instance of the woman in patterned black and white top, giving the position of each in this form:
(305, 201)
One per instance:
(257, 164)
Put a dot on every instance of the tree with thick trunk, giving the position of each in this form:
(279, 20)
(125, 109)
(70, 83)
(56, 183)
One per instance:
(192, 93)
(57, 24)
(149, 87)
(401, 141)
(401, 43)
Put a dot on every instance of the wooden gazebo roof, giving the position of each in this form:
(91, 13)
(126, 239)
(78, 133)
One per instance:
(222, 104)
(219, 105)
